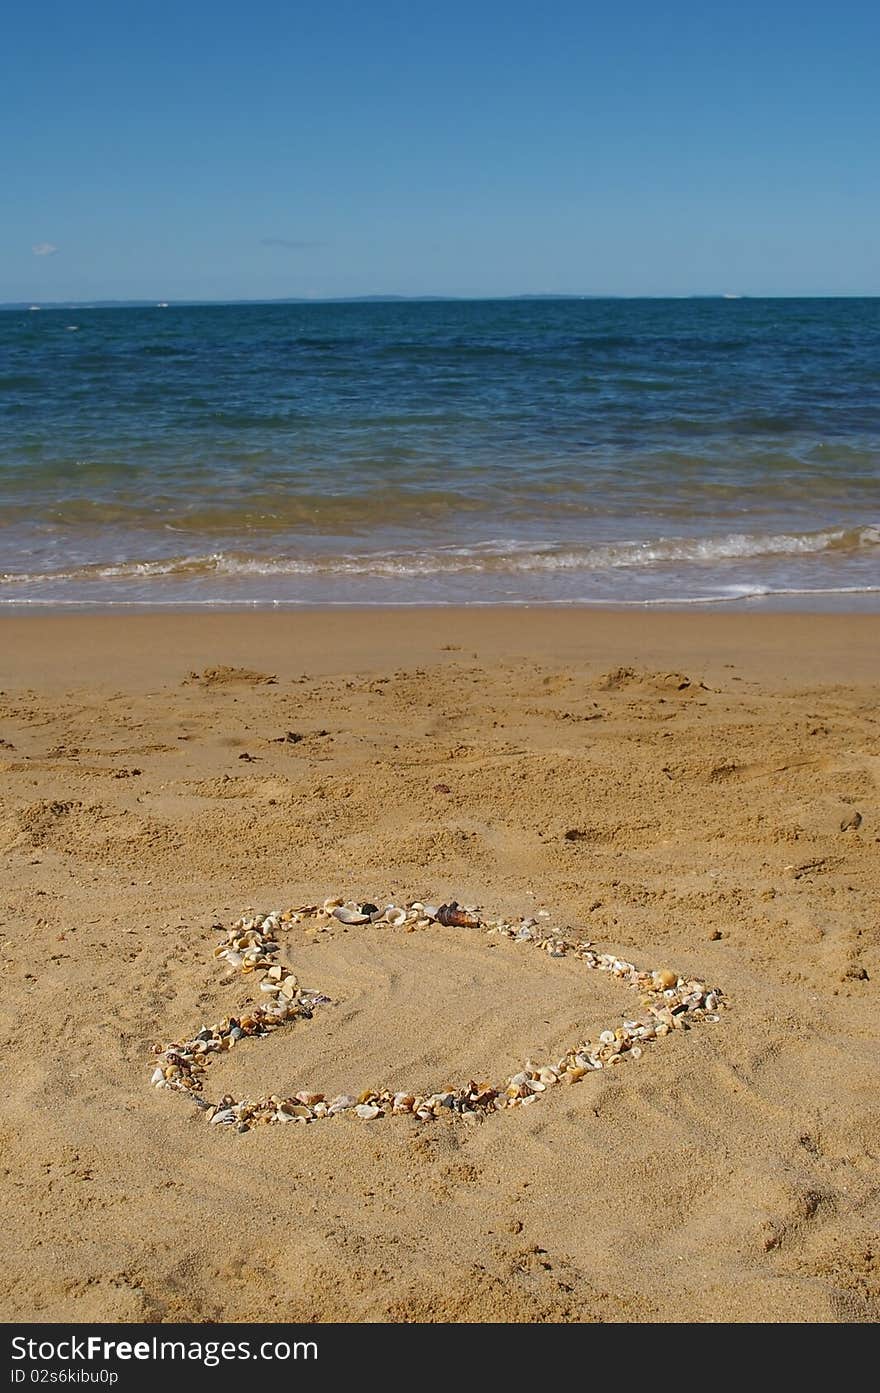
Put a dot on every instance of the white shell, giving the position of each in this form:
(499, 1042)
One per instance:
(349, 916)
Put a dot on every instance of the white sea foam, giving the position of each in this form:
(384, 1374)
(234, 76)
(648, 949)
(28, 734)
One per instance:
(498, 556)
(736, 596)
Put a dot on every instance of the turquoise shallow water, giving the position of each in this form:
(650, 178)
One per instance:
(590, 451)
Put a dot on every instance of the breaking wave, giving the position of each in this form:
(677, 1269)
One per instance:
(492, 557)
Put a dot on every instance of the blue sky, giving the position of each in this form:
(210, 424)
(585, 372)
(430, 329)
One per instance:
(223, 150)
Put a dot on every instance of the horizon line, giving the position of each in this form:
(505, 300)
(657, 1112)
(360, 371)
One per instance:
(391, 297)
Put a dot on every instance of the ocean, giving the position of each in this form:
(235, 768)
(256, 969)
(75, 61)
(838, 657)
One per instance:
(584, 451)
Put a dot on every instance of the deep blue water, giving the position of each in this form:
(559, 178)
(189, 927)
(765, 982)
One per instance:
(599, 451)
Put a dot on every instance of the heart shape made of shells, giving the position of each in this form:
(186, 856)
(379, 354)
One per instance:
(667, 1002)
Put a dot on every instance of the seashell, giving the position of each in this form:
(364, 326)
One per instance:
(430, 911)
(349, 916)
(367, 1111)
(234, 959)
(329, 905)
(292, 1111)
(342, 1103)
(270, 986)
(548, 1075)
(395, 916)
(274, 974)
(157, 1078)
(225, 1116)
(663, 979)
(606, 1037)
(452, 917)
(636, 1051)
(536, 1086)
(574, 1074)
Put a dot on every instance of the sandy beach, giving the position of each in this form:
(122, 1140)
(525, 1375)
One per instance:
(691, 791)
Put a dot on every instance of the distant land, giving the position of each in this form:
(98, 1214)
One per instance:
(391, 300)
(286, 300)
(387, 300)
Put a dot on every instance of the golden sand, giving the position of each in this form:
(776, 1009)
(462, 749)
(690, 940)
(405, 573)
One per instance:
(697, 790)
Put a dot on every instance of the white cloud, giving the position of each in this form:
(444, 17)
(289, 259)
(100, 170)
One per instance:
(44, 249)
